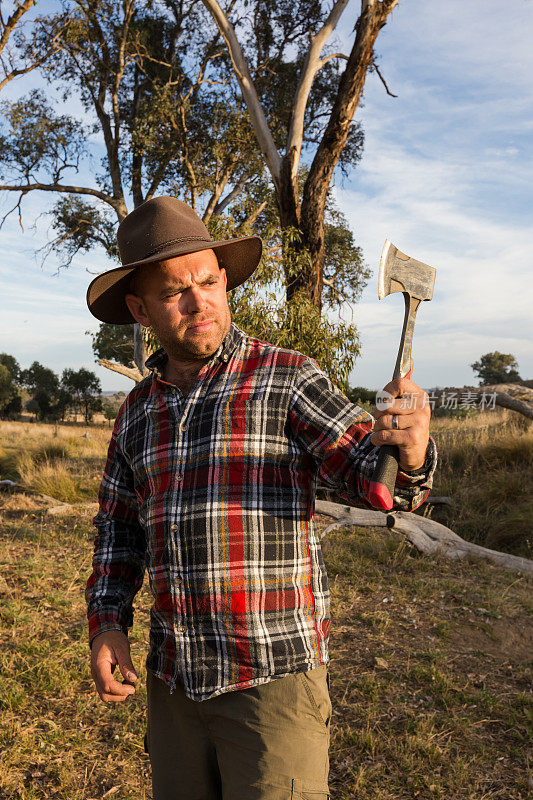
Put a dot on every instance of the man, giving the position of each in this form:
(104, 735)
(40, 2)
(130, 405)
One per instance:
(210, 483)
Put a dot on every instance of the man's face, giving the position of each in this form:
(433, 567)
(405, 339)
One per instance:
(184, 300)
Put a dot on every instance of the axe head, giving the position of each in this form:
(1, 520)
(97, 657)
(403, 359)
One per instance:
(400, 273)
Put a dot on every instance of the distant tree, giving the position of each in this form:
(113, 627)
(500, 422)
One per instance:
(43, 386)
(110, 411)
(10, 400)
(12, 364)
(6, 383)
(33, 406)
(496, 367)
(12, 407)
(37, 378)
(84, 388)
(358, 394)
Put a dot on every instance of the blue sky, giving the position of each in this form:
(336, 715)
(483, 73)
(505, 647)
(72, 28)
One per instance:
(446, 174)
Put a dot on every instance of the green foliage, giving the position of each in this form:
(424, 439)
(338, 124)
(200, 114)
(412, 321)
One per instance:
(298, 326)
(359, 395)
(84, 388)
(36, 143)
(12, 365)
(345, 273)
(114, 342)
(260, 307)
(6, 384)
(10, 399)
(39, 378)
(80, 226)
(496, 367)
(109, 410)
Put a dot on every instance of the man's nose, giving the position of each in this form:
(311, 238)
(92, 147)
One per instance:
(195, 299)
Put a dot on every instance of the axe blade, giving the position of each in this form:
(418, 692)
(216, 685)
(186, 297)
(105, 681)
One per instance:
(400, 273)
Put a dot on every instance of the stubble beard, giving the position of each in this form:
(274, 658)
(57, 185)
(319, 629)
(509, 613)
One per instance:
(182, 347)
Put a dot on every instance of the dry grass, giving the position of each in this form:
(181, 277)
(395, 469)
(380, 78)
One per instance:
(486, 466)
(64, 462)
(431, 660)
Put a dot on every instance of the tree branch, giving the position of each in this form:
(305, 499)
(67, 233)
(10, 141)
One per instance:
(129, 372)
(220, 185)
(36, 61)
(11, 22)
(382, 79)
(330, 57)
(230, 197)
(373, 17)
(252, 216)
(311, 66)
(58, 187)
(242, 72)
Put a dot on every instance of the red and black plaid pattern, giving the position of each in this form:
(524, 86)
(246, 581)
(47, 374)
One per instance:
(214, 494)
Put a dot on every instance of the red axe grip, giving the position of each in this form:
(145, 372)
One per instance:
(381, 488)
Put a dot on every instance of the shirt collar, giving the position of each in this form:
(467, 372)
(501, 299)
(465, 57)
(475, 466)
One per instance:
(232, 340)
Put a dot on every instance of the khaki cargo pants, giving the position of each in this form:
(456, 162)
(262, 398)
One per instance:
(269, 742)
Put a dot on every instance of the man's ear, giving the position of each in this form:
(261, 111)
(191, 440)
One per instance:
(137, 309)
(224, 276)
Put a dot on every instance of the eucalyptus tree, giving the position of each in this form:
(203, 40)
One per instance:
(301, 104)
(162, 112)
(152, 118)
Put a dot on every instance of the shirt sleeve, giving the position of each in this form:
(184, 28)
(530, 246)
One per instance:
(336, 433)
(119, 548)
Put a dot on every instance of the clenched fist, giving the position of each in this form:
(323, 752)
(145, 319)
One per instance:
(402, 419)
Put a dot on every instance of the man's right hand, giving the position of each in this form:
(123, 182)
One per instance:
(111, 649)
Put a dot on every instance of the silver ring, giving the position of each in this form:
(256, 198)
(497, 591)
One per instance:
(395, 425)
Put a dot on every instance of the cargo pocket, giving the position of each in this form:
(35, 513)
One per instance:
(301, 791)
(316, 688)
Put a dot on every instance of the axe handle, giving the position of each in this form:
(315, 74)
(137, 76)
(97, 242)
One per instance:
(381, 488)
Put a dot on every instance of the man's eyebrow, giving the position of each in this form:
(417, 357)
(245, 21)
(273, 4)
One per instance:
(175, 285)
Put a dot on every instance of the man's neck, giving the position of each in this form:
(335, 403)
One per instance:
(183, 374)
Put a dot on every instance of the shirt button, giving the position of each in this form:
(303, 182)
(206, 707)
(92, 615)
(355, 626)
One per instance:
(182, 629)
(183, 426)
(225, 357)
(174, 527)
(179, 477)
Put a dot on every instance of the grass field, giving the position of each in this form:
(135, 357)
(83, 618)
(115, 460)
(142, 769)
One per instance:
(431, 659)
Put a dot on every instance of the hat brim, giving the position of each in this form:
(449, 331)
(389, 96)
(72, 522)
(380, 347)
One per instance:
(107, 292)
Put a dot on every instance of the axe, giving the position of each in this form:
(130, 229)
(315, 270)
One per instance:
(398, 273)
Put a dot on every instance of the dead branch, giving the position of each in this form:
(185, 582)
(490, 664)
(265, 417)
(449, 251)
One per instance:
(130, 372)
(507, 400)
(242, 71)
(382, 79)
(428, 536)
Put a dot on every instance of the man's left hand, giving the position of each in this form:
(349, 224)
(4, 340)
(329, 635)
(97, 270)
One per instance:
(404, 422)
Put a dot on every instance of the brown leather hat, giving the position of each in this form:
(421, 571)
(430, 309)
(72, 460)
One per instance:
(159, 229)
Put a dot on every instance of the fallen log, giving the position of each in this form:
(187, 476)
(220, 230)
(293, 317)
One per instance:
(428, 536)
(505, 400)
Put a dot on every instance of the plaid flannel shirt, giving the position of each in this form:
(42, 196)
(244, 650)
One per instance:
(214, 494)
